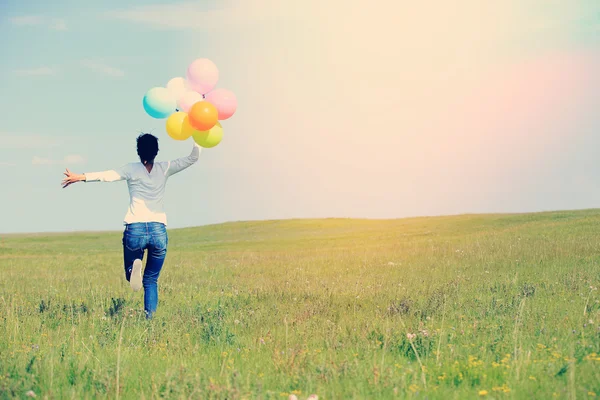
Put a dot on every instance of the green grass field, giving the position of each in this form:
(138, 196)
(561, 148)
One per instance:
(492, 306)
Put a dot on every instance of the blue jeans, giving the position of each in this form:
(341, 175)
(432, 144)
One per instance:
(138, 237)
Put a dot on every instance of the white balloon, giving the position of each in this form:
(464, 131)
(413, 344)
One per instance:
(188, 99)
(177, 86)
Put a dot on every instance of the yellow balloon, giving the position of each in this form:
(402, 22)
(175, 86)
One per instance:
(187, 129)
(209, 138)
(178, 126)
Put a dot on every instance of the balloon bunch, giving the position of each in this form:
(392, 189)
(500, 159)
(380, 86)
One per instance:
(192, 105)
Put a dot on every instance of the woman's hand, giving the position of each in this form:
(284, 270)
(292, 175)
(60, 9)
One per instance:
(72, 178)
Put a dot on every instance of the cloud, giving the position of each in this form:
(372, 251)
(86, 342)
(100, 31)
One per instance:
(39, 20)
(68, 160)
(39, 71)
(59, 25)
(10, 141)
(27, 20)
(96, 66)
(7, 164)
(102, 68)
(195, 15)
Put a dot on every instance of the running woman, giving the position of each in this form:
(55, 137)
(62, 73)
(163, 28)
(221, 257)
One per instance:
(145, 221)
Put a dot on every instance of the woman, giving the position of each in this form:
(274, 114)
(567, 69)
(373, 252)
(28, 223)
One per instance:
(145, 221)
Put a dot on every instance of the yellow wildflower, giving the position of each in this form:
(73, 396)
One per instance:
(504, 388)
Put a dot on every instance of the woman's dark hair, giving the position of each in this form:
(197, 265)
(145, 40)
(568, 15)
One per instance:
(147, 148)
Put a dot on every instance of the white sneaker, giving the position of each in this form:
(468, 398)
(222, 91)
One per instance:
(136, 275)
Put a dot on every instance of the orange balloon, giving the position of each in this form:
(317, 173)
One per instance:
(203, 115)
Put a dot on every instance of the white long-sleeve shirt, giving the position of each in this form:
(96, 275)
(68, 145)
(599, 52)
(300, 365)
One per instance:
(146, 189)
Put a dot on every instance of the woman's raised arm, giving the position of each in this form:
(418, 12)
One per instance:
(182, 163)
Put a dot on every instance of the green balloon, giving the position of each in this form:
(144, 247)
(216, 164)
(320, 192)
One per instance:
(209, 138)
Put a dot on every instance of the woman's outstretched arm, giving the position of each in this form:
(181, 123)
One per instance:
(71, 178)
(112, 175)
(182, 163)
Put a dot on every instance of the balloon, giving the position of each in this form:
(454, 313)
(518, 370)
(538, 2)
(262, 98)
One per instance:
(209, 138)
(178, 126)
(187, 128)
(177, 86)
(203, 115)
(202, 75)
(187, 100)
(224, 100)
(159, 102)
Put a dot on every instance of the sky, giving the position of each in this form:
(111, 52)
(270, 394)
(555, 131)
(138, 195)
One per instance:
(381, 109)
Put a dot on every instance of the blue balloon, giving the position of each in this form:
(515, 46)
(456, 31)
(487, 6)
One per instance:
(159, 102)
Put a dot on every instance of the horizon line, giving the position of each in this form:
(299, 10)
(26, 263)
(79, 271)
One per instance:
(473, 214)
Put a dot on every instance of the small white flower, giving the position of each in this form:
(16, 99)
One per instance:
(30, 393)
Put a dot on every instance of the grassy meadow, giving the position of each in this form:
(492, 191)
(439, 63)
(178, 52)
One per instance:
(464, 307)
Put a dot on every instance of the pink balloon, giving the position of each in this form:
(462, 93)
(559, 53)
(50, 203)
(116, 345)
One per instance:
(224, 100)
(202, 75)
(187, 100)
